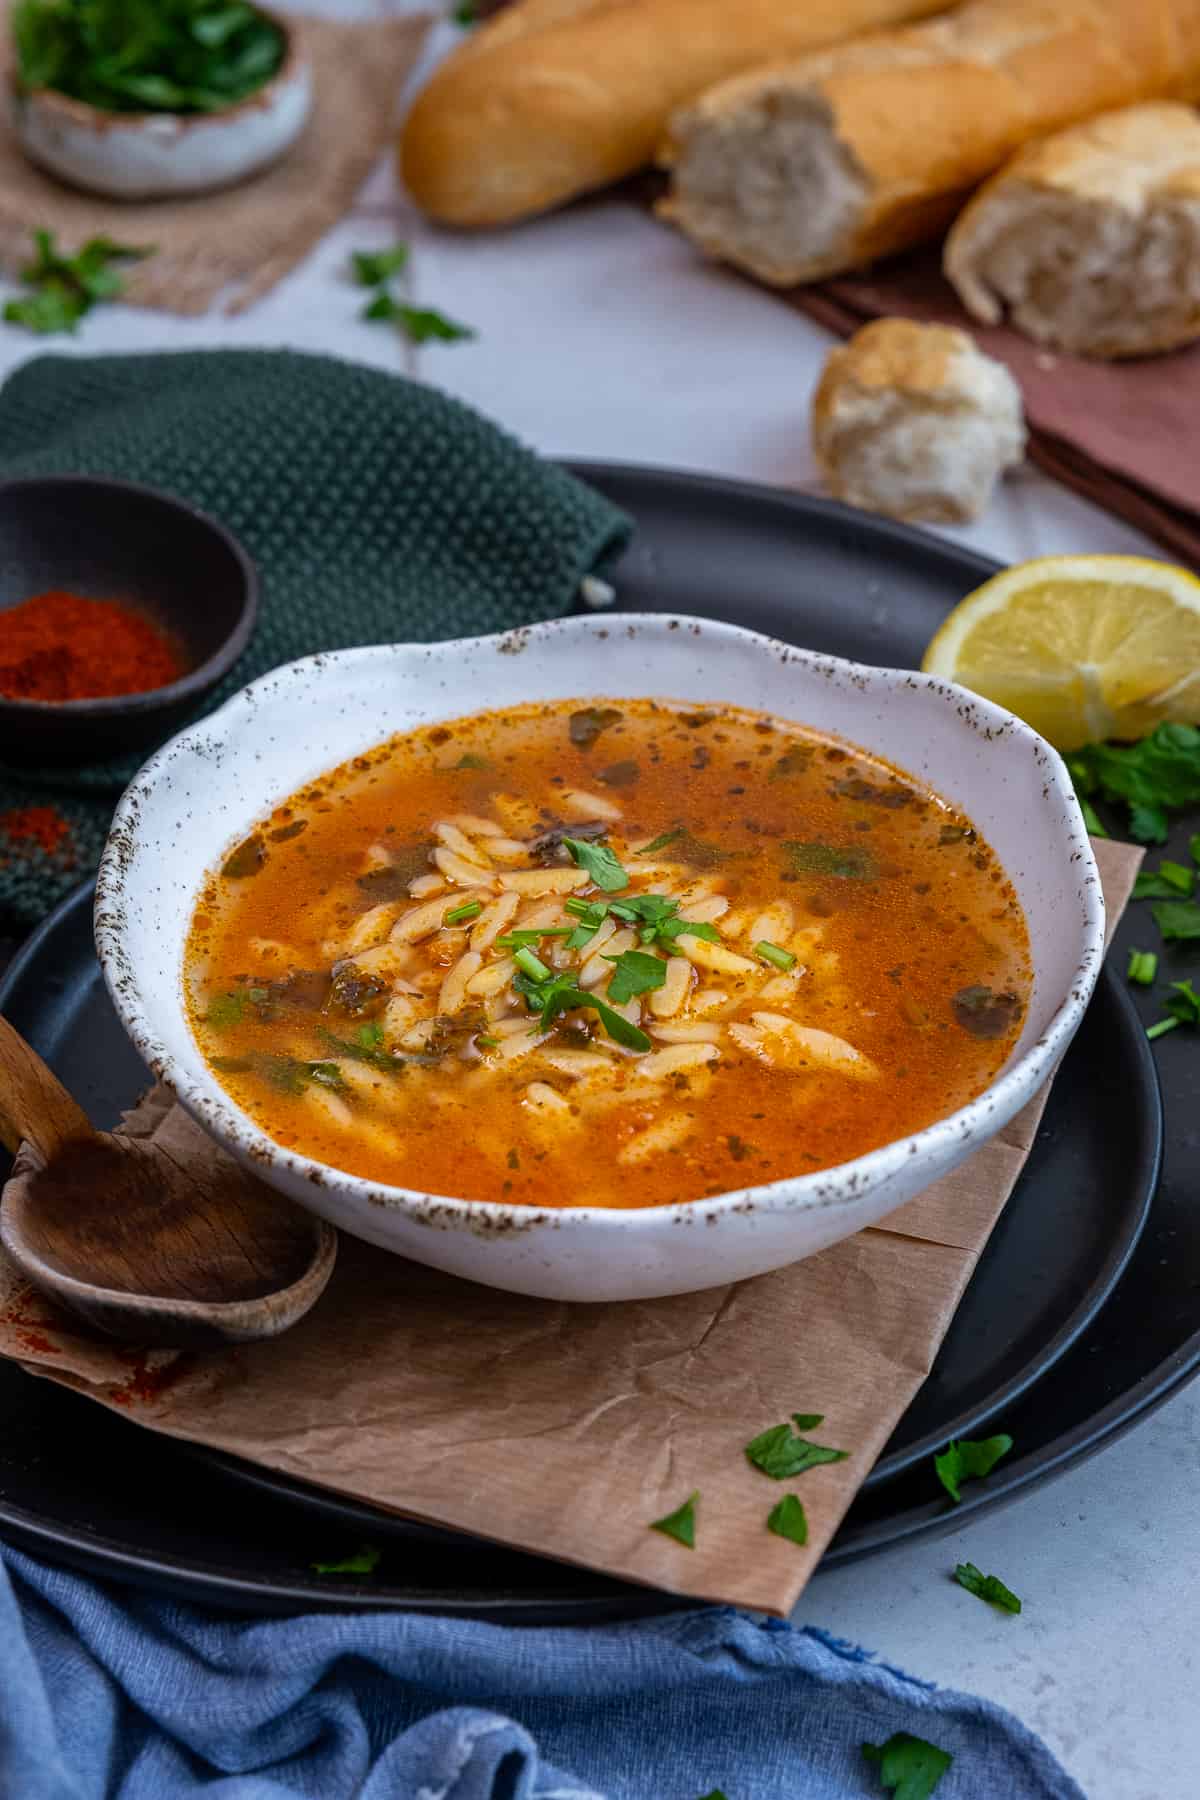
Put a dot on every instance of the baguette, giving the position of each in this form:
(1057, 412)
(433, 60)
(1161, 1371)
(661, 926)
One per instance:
(810, 168)
(1091, 238)
(556, 97)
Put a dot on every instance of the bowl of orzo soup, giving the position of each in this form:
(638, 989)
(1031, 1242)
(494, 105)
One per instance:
(605, 959)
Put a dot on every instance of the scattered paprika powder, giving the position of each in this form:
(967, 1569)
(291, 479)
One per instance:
(62, 646)
(39, 827)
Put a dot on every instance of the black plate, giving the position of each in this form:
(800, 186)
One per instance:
(836, 581)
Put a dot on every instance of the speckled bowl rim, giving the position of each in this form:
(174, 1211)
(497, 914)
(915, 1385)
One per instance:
(839, 1184)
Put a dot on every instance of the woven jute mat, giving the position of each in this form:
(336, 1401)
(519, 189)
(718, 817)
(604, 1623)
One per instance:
(233, 246)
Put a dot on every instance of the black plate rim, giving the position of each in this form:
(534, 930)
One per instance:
(102, 1555)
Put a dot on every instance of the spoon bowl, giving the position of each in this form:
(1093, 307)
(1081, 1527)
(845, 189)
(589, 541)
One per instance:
(147, 1243)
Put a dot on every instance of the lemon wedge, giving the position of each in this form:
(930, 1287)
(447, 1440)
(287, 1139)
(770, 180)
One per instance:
(1081, 647)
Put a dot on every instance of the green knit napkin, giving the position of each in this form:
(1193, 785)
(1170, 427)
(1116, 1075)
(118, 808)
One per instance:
(378, 511)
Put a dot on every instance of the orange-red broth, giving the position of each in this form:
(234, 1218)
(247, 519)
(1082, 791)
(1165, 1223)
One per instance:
(342, 1041)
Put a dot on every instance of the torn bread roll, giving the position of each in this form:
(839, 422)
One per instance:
(555, 97)
(1090, 240)
(916, 422)
(808, 168)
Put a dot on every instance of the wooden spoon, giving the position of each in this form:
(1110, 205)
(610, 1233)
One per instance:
(142, 1247)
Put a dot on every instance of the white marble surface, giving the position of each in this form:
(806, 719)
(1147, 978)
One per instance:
(601, 335)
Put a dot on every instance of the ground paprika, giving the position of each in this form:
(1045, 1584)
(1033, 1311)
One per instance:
(63, 646)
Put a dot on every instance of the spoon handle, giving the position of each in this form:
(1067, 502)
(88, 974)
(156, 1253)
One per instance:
(34, 1104)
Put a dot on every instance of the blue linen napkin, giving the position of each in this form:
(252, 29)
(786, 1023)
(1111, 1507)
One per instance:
(108, 1693)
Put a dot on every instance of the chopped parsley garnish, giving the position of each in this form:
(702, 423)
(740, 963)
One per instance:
(526, 939)
(600, 864)
(660, 843)
(225, 1010)
(458, 915)
(787, 1520)
(1143, 967)
(561, 993)
(1183, 1008)
(1177, 919)
(987, 1587)
(967, 1460)
(325, 1074)
(1194, 847)
(363, 1561)
(807, 1421)
(1167, 882)
(680, 1524)
(1154, 777)
(909, 1767)
(780, 1453)
(591, 915)
(367, 1046)
(851, 863)
(653, 916)
(782, 959)
(531, 965)
(465, 14)
(715, 1794)
(634, 973)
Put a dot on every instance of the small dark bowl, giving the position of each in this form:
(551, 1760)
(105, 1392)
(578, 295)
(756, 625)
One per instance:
(112, 540)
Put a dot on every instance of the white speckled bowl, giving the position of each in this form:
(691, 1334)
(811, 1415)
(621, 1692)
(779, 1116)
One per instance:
(154, 155)
(204, 791)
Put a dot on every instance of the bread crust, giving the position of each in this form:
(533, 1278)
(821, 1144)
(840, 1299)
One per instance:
(915, 421)
(921, 115)
(1138, 170)
(553, 98)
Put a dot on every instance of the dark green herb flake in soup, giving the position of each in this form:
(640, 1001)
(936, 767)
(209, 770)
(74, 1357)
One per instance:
(618, 954)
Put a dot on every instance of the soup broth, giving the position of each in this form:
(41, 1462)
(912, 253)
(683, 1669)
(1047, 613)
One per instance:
(615, 954)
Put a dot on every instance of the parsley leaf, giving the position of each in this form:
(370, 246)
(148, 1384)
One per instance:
(781, 1454)
(561, 993)
(65, 288)
(363, 1561)
(373, 267)
(908, 1766)
(807, 1421)
(787, 1520)
(660, 843)
(600, 864)
(419, 324)
(1183, 1008)
(128, 56)
(964, 1460)
(1177, 918)
(680, 1524)
(635, 973)
(1153, 777)
(591, 915)
(1166, 882)
(851, 863)
(987, 1587)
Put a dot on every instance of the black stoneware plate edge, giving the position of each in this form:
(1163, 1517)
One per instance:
(653, 488)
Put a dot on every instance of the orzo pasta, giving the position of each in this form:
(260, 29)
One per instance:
(613, 954)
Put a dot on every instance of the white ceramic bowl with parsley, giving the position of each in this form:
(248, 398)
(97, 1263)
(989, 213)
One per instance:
(202, 95)
(209, 787)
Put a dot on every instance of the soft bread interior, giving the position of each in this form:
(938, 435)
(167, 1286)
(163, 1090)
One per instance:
(768, 185)
(1080, 272)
